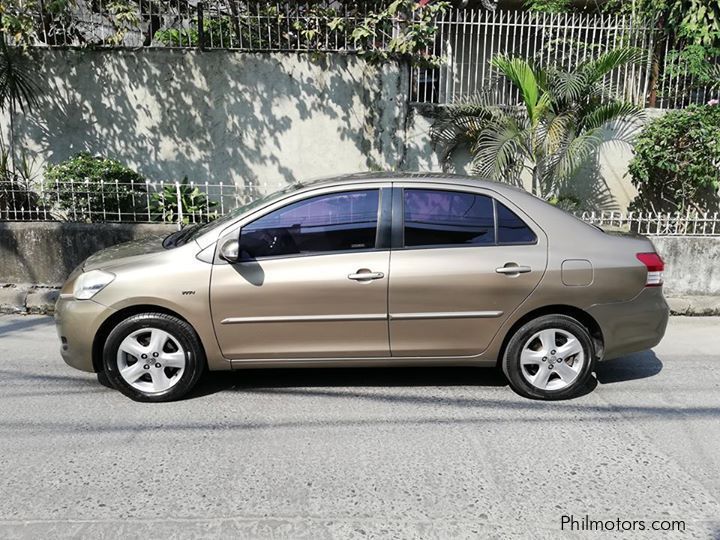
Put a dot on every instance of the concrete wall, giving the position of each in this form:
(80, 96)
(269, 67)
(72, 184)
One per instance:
(259, 120)
(45, 253)
(692, 265)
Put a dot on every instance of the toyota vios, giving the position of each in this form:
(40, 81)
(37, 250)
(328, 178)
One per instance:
(368, 270)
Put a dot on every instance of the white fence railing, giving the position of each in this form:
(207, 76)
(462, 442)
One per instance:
(157, 202)
(657, 224)
(137, 202)
(468, 39)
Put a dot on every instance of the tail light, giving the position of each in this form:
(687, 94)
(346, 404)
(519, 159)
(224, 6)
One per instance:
(655, 267)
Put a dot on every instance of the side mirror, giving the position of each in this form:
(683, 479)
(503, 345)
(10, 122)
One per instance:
(230, 251)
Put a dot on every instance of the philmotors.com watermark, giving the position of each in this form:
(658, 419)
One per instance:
(586, 523)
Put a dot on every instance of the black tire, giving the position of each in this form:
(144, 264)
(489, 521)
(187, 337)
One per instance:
(513, 369)
(180, 331)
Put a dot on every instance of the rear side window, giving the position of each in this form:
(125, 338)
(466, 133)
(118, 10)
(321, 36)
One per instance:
(436, 218)
(336, 222)
(512, 229)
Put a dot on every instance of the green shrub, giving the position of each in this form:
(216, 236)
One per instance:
(195, 204)
(676, 167)
(91, 188)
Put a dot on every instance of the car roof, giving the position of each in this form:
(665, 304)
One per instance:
(419, 177)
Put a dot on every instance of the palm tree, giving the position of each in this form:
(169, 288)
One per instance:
(563, 119)
(18, 89)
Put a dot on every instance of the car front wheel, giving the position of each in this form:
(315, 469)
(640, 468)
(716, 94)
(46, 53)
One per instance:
(549, 358)
(153, 357)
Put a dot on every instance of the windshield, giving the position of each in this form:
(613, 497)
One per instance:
(198, 230)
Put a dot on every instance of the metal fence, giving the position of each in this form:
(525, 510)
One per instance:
(323, 26)
(657, 224)
(465, 40)
(468, 39)
(85, 201)
(190, 202)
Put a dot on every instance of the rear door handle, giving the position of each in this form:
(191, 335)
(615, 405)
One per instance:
(513, 269)
(366, 275)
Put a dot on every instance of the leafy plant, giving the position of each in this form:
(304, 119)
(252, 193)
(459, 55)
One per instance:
(549, 6)
(195, 204)
(408, 26)
(221, 30)
(18, 89)
(89, 188)
(125, 15)
(692, 28)
(18, 201)
(22, 22)
(563, 118)
(676, 166)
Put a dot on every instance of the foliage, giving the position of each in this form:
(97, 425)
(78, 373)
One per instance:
(18, 89)
(164, 205)
(22, 25)
(125, 16)
(563, 119)
(17, 199)
(676, 166)
(85, 187)
(410, 26)
(693, 28)
(407, 26)
(548, 6)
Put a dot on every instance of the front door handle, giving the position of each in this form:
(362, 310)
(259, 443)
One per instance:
(365, 275)
(512, 268)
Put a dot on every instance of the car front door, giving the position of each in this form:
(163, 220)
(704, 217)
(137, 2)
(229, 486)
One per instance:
(462, 262)
(311, 281)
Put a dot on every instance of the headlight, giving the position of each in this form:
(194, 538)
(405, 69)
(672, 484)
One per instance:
(90, 283)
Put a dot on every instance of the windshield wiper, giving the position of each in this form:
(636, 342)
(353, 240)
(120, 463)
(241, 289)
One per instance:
(177, 238)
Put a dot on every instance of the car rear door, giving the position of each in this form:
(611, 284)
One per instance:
(463, 260)
(312, 282)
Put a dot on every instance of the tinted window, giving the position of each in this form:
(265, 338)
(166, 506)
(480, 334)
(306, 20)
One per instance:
(512, 229)
(447, 218)
(336, 222)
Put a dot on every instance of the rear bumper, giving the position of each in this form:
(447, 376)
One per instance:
(77, 323)
(632, 326)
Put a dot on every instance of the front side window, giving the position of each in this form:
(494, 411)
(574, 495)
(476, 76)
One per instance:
(436, 218)
(334, 222)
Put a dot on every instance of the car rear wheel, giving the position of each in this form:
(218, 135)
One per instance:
(153, 357)
(549, 358)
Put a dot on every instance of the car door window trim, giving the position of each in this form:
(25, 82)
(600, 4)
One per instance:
(376, 248)
(398, 220)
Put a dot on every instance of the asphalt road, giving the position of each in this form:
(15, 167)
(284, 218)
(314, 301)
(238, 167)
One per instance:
(402, 453)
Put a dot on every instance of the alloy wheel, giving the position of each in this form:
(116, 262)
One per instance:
(151, 360)
(552, 359)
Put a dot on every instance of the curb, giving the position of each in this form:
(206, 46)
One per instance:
(28, 299)
(699, 306)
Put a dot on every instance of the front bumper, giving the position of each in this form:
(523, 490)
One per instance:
(632, 326)
(77, 323)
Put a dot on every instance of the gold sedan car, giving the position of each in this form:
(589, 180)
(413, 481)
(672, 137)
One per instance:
(368, 270)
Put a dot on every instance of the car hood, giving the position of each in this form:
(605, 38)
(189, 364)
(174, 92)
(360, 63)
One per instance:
(123, 253)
